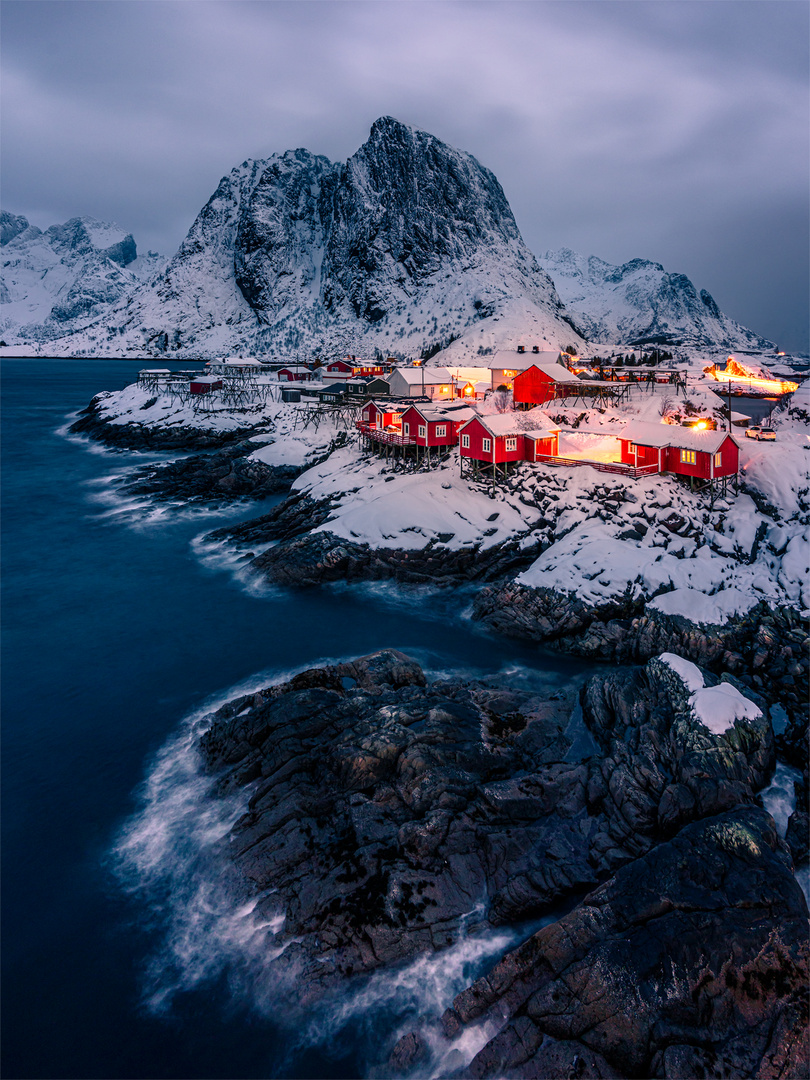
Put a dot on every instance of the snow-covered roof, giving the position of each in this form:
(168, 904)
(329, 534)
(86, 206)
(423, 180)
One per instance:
(520, 361)
(154, 371)
(541, 433)
(437, 412)
(294, 367)
(234, 361)
(648, 434)
(205, 379)
(510, 423)
(556, 372)
(426, 376)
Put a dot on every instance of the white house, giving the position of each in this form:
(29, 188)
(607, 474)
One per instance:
(436, 383)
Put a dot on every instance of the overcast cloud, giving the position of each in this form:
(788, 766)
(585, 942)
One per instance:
(671, 131)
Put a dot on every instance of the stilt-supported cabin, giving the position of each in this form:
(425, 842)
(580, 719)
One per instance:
(499, 440)
(700, 455)
(541, 383)
(205, 384)
(431, 426)
(506, 366)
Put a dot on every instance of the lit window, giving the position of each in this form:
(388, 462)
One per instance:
(465, 441)
(688, 457)
(441, 431)
(511, 444)
(486, 445)
(422, 431)
(718, 459)
(632, 448)
(509, 374)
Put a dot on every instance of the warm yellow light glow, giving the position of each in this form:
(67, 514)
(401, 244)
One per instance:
(701, 425)
(776, 386)
(509, 374)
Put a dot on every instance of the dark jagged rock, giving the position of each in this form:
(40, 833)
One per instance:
(384, 810)
(766, 648)
(11, 225)
(691, 962)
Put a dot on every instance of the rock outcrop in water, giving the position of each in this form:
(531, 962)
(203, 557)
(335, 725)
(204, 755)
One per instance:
(692, 961)
(388, 816)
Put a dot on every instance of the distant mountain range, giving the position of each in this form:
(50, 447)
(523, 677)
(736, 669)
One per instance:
(408, 247)
(55, 282)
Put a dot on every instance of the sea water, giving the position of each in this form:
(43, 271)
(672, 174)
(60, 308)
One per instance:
(118, 626)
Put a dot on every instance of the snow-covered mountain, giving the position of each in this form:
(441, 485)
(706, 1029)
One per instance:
(56, 281)
(406, 245)
(639, 303)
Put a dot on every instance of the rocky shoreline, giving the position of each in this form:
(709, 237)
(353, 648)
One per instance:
(384, 809)
(94, 424)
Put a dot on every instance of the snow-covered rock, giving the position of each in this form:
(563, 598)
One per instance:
(639, 303)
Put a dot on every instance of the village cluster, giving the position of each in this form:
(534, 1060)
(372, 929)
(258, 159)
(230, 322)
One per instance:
(419, 413)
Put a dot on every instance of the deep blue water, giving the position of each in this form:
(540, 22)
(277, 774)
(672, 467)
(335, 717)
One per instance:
(113, 631)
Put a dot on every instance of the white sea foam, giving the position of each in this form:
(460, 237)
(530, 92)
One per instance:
(779, 797)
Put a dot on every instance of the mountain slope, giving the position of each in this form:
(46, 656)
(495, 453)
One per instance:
(408, 244)
(639, 303)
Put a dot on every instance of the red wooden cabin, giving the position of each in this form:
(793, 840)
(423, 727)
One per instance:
(537, 384)
(381, 415)
(706, 455)
(499, 440)
(294, 373)
(338, 369)
(428, 426)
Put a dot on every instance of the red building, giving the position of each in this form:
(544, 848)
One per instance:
(204, 384)
(338, 369)
(430, 426)
(538, 384)
(705, 455)
(499, 440)
(381, 415)
(294, 373)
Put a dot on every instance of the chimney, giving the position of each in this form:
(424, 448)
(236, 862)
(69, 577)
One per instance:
(521, 348)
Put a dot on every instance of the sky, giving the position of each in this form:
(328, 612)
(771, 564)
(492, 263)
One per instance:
(673, 131)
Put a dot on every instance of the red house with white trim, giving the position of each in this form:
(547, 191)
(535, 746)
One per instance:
(294, 373)
(498, 440)
(338, 369)
(706, 455)
(541, 383)
(430, 426)
(381, 415)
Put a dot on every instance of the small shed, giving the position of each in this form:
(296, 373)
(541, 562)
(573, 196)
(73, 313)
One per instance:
(289, 393)
(205, 384)
(381, 415)
(704, 455)
(540, 383)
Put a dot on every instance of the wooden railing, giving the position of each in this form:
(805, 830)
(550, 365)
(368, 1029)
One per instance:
(633, 471)
(378, 435)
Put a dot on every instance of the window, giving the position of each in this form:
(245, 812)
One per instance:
(509, 374)
(632, 448)
(511, 444)
(718, 459)
(406, 429)
(441, 431)
(688, 457)
(486, 446)
(465, 441)
(422, 431)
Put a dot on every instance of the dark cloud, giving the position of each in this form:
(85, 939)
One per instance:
(673, 131)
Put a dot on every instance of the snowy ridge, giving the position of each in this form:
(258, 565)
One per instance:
(639, 303)
(54, 281)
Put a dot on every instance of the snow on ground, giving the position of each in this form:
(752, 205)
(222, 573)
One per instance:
(600, 535)
(390, 509)
(716, 707)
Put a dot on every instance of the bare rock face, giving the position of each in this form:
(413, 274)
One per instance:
(385, 810)
(691, 962)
